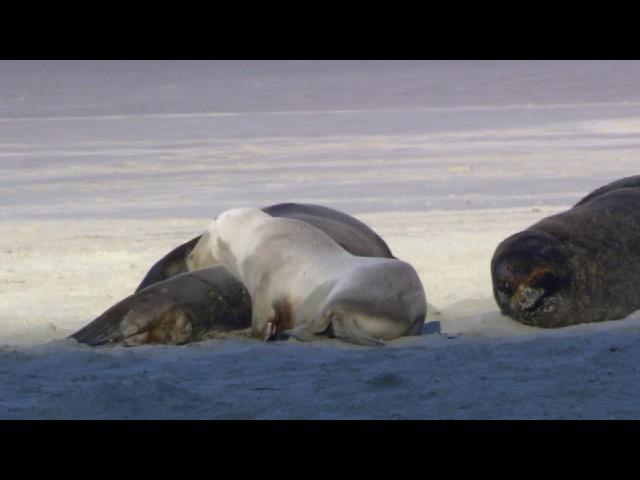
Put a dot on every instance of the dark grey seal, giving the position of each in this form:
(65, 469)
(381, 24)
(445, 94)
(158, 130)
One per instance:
(185, 308)
(350, 233)
(581, 265)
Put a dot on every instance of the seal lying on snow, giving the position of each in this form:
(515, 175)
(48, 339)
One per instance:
(182, 309)
(350, 233)
(303, 284)
(582, 265)
(171, 306)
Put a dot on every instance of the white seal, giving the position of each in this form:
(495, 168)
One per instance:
(303, 284)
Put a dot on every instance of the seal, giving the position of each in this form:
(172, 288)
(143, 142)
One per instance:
(303, 284)
(581, 265)
(349, 232)
(185, 308)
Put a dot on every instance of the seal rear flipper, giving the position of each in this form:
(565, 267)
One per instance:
(302, 333)
(345, 327)
(184, 308)
(174, 327)
(131, 317)
(96, 335)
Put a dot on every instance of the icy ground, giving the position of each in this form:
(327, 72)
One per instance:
(104, 167)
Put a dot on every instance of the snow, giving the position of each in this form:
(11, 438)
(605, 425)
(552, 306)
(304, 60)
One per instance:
(106, 166)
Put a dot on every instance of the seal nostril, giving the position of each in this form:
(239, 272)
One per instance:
(530, 297)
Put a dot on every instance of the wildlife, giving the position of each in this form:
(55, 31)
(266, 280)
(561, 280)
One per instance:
(188, 297)
(304, 285)
(581, 265)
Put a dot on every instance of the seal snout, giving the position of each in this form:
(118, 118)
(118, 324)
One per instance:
(524, 293)
(527, 298)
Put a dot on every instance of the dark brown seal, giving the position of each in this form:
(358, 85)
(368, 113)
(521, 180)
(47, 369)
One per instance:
(185, 308)
(581, 265)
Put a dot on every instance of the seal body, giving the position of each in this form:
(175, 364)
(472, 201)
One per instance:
(349, 232)
(303, 284)
(185, 308)
(173, 263)
(582, 265)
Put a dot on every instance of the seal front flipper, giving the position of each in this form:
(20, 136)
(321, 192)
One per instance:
(181, 309)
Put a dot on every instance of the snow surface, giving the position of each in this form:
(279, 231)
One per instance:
(106, 166)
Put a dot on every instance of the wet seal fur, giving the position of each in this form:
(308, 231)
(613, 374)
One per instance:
(185, 308)
(579, 266)
(349, 232)
(303, 284)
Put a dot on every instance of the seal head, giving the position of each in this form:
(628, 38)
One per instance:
(531, 278)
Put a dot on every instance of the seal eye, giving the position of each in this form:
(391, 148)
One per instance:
(547, 281)
(507, 288)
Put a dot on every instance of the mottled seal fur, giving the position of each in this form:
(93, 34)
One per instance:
(303, 284)
(349, 232)
(581, 265)
(185, 308)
